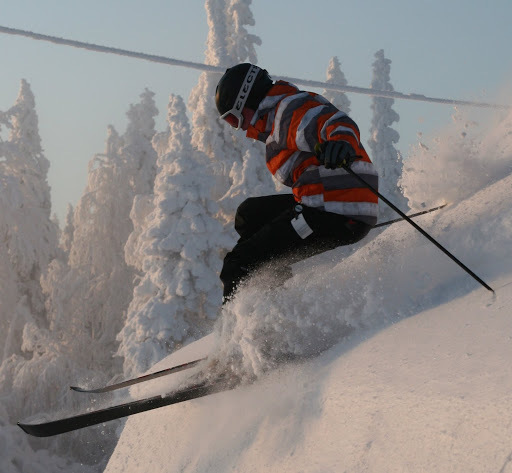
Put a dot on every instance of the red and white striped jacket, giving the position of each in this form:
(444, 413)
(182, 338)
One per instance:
(291, 122)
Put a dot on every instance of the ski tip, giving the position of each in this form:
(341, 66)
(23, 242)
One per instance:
(21, 426)
(30, 429)
(35, 430)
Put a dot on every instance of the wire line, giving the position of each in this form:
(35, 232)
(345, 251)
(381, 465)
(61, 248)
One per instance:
(221, 69)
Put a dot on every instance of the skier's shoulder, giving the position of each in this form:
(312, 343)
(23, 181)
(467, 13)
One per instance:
(282, 87)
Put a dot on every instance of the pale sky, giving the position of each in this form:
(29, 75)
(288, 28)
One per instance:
(458, 49)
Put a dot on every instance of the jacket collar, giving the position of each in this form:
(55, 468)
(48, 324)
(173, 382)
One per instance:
(262, 122)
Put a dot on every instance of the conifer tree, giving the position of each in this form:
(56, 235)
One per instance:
(34, 355)
(170, 308)
(241, 44)
(178, 295)
(383, 138)
(29, 235)
(66, 236)
(87, 295)
(335, 76)
(237, 162)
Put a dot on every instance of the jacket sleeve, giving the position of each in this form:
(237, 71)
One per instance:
(340, 127)
(318, 121)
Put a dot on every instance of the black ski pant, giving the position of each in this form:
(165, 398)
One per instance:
(266, 233)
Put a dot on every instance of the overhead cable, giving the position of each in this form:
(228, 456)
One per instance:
(221, 69)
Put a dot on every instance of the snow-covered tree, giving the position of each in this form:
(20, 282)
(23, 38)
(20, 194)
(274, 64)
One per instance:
(66, 236)
(237, 161)
(33, 356)
(102, 224)
(241, 44)
(178, 240)
(29, 236)
(178, 295)
(86, 297)
(385, 156)
(335, 76)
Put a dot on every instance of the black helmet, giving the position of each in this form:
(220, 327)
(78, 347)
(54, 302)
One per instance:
(229, 88)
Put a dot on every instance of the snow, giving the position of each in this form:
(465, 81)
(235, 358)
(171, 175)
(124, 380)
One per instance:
(429, 393)
(405, 358)
(420, 383)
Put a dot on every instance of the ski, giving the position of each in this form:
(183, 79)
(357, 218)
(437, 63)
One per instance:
(140, 379)
(76, 422)
(417, 214)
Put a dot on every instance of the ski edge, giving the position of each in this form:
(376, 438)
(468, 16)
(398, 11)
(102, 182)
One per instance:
(100, 416)
(140, 379)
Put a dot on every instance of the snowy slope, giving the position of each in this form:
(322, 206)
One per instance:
(416, 375)
(431, 393)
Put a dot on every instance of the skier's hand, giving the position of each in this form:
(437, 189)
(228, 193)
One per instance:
(335, 154)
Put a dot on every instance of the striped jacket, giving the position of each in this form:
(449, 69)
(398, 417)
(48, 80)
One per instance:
(291, 122)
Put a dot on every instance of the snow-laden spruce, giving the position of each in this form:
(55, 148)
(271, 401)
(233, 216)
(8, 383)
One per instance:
(29, 236)
(335, 76)
(86, 294)
(33, 359)
(176, 252)
(239, 169)
(383, 138)
(98, 283)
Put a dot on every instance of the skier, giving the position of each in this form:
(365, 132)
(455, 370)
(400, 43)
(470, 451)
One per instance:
(308, 140)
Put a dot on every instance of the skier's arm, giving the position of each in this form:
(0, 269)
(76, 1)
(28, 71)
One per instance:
(335, 154)
(343, 128)
(339, 143)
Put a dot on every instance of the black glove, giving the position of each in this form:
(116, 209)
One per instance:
(335, 154)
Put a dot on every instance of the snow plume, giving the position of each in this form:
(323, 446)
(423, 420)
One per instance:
(463, 159)
(397, 273)
(261, 328)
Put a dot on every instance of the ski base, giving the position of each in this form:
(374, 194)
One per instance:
(68, 424)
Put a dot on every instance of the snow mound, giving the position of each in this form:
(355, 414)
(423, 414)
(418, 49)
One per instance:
(429, 393)
(412, 369)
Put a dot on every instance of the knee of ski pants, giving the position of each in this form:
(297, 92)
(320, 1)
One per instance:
(243, 214)
(233, 270)
(232, 274)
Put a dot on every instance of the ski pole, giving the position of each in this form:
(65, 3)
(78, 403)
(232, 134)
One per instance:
(417, 227)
